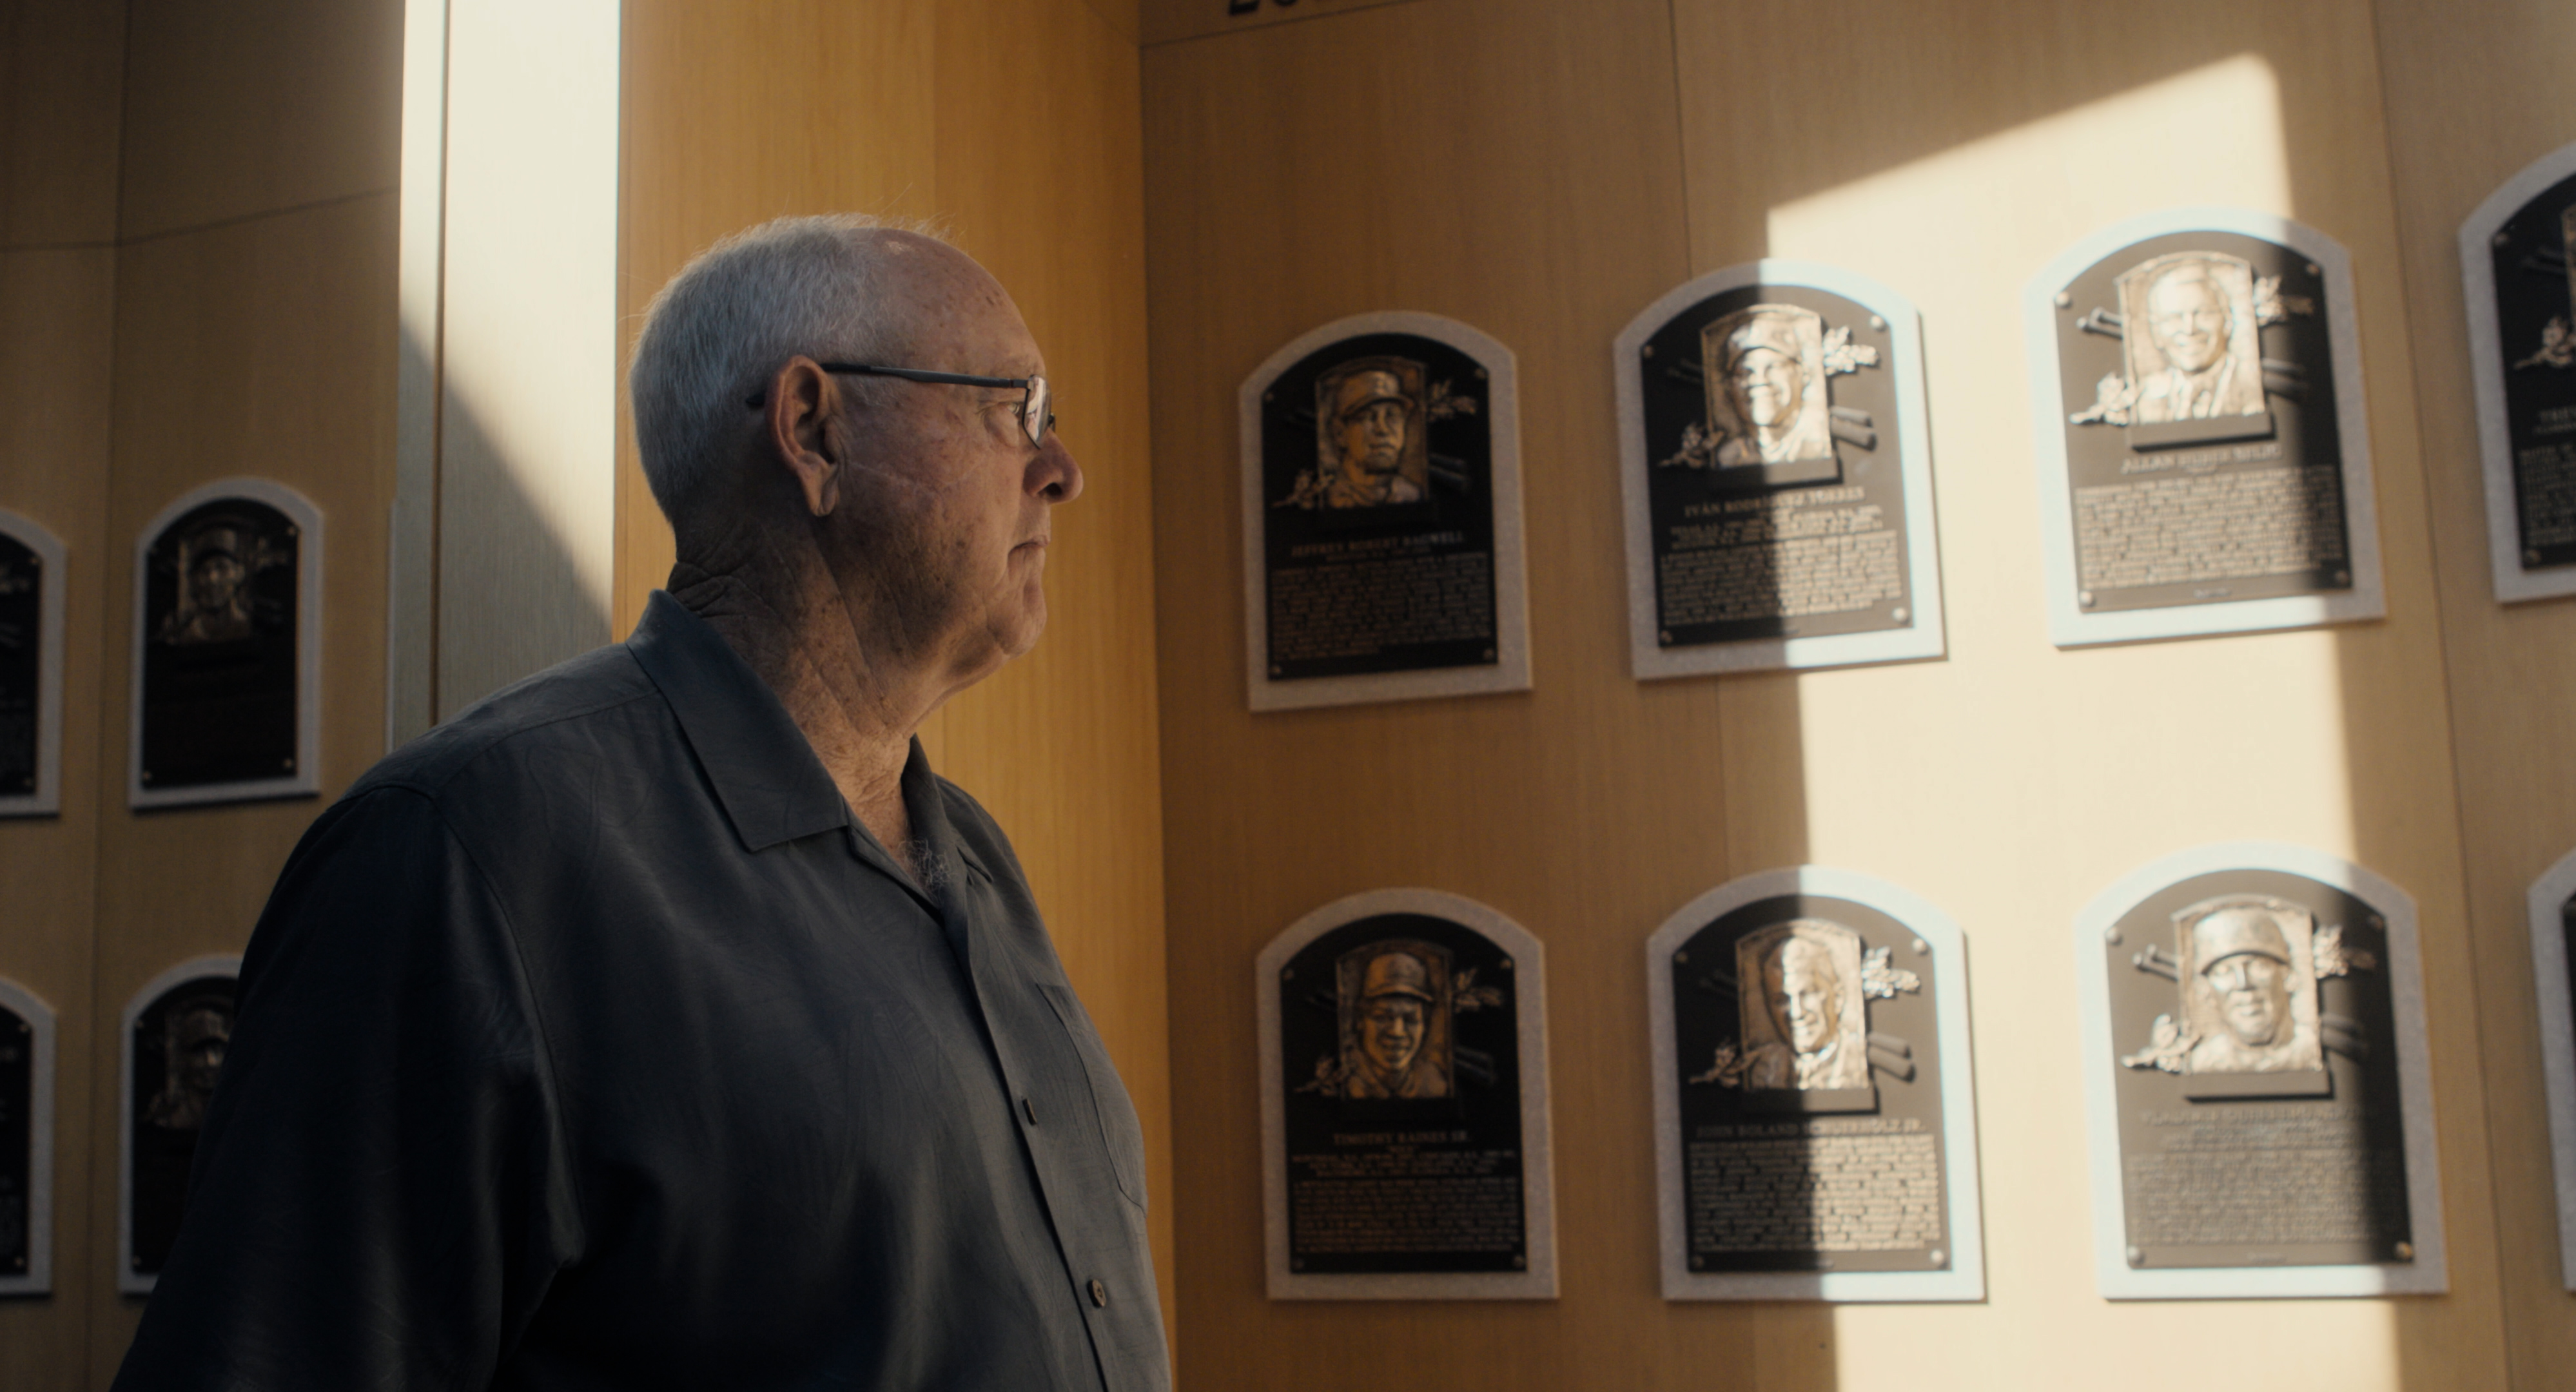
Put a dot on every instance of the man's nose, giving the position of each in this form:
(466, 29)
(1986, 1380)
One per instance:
(1053, 473)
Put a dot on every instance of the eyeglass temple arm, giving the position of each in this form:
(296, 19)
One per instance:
(909, 374)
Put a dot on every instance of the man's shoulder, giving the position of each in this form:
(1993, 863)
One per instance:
(565, 703)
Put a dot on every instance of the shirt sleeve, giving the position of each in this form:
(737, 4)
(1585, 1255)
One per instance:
(381, 1196)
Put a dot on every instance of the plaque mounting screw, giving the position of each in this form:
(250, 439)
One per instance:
(2406, 1251)
(1921, 947)
(1899, 615)
(1480, 374)
(1878, 323)
(2503, 240)
(1681, 957)
(1698, 1262)
(2085, 598)
(1646, 352)
(1297, 1263)
(1507, 964)
(1939, 1257)
(1288, 974)
(2137, 1257)
(1519, 1261)
(1270, 396)
(2343, 577)
(2531, 558)
(1665, 638)
(2312, 268)
(2064, 300)
(2112, 936)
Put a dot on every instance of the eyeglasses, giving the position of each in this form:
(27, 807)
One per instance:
(1037, 414)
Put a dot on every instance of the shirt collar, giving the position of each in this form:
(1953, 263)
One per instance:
(765, 774)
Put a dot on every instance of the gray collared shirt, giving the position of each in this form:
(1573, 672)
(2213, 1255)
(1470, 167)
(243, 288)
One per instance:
(590, 1042)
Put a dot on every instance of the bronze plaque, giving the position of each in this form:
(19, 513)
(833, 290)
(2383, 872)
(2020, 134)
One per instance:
(176, 1038)
(18, 1141)
(2518, 259)
(22, 646)
(220, 631)
(2267, 1103)
(1382, 508)
(2206, 456)
(1409, 1144)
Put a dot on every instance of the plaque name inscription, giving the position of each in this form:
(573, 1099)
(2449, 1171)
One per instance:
(1816, 1132)
(2518, 262)
(2258, 1096)
(2204, 455)
(1777, 475)
(1381, 512)
(1404, 1104)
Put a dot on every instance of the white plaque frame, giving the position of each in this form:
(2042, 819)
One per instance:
(1538, 1155)
(218, 964)
(2069, 625)
(2429, 1273)
(2547, 901)
(39, 1279)
(1922, 636)
(47, 799)
(2513, 584)
(306, 781)
(1962, 1212)
(1510, 670)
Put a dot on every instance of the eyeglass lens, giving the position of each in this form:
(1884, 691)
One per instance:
(1037, 413)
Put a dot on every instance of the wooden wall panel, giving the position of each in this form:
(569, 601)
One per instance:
(258, 347)
(2475, 93)
(56, 307)
(62, 70)
(1517, 166)
(1952, 160)
(1543, 174)
(1015, 125)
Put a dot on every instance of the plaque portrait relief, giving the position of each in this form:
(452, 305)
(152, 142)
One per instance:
(177, 1029)
(1382, 516)
(2257, 1092)
(26, 1142)
(1405, 1142)
(1815, 1131)
(2204, 454)
(2518, 267)
(226, 630)
(1777, 477)
(31, 668)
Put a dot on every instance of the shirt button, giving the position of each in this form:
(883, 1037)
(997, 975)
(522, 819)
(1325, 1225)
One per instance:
(1099, 1295)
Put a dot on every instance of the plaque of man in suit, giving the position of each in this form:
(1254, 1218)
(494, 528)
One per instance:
(1802, 980)
(1766, 385)
(2199, 357)
(1395, 1021)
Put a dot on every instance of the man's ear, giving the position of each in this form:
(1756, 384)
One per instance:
(804, 408)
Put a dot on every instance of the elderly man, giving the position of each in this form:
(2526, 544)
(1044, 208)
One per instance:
(1802, 988)
(2244, 959)
(2191, 323)
(664, 1021)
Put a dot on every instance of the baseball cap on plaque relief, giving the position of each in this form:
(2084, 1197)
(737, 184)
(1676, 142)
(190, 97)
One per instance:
(1815, 1115)
(2203, 452)
(2257, 1092)
(1776, 467)
(1382, 516)
(2518, 259)
(1404, 1116)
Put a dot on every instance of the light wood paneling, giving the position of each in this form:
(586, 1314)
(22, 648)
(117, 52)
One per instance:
(56, 308)
(61, 72)
(244, 108)
(1516, 166)
(2474, 94)
(1016, 126)
(259, 348)
(1952, 158)
(1542, 174)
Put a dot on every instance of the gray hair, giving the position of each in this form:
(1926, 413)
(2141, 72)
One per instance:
(732, 317)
